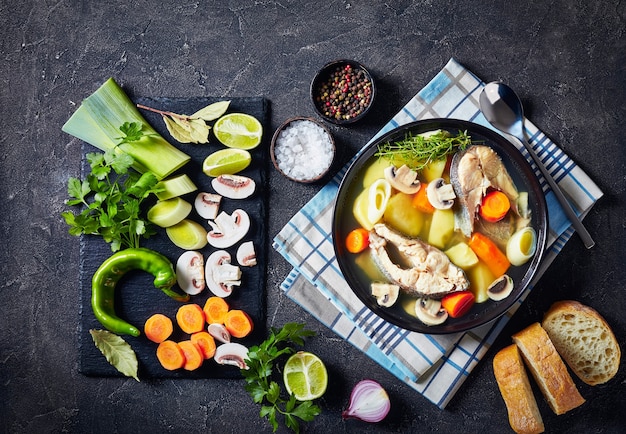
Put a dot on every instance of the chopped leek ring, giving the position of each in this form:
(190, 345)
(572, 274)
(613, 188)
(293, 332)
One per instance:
(166, 213)
(378, 196)
(98, 119)
(188, 235)
(521, 246)
(175, 186)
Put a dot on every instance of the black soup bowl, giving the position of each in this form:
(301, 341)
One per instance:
(480, 313)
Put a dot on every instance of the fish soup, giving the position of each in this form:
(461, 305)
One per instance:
(426, 226)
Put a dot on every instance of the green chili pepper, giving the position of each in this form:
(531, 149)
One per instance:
(111, 271)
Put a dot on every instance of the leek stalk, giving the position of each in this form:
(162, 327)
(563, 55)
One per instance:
(98, 119)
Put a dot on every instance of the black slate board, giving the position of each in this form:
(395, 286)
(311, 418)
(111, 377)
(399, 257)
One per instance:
(137, 298)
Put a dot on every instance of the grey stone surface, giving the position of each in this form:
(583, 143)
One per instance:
(565, 58)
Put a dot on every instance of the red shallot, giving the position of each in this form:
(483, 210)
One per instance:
(369, 402)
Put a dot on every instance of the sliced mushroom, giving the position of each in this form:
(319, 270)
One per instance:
(440, 195)
(403, 179)
(430, 312)
(207, 205)
(220, 274)
(228, 229)
(190, 272)
(386, 293)
(501, 288)
(234, 186)
(219, 332)
(246, 255)
(233, 354)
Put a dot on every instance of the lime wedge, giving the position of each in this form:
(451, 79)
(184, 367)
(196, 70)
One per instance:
(226, 162)
(305, 376)
(238, 130)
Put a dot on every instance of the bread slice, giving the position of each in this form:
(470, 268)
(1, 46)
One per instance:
(548, 369)
(584, 340)
(524, 415)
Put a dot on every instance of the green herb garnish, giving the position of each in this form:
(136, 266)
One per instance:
(419, 150)
(267, 392)
(111, 196)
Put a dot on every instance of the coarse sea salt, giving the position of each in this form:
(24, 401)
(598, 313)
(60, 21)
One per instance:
(303, 150)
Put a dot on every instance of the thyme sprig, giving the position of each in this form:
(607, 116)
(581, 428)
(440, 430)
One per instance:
(419, 150)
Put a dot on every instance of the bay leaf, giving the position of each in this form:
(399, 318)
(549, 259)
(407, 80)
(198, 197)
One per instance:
(177, 131)
(212, 111)
(117, 352)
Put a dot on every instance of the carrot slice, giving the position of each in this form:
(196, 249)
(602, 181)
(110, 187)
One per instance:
(215, 310)
(420, 201)
(494, 206)
(193, 355)
(357, 240)
(205, 342)
(238, 323)
(458, 304)
(170, 355)
(190, 318)
(489, 253)
(158, 328)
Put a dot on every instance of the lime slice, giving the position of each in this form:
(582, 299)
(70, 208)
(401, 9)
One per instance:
(238, 130)
(305, 376)
(226, 162)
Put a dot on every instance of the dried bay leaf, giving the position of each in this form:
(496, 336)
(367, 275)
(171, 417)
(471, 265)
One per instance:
(187, 130)
(212, 111)
(117, 352)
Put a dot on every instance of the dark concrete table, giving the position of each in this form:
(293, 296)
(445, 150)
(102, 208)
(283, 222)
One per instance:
(566, 59)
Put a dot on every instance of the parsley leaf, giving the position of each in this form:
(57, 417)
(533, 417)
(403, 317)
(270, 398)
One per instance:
(264, 390)
(111, 197)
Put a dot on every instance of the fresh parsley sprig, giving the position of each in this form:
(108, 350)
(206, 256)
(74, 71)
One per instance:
(419, 150)
(111, 198)
(267, 392)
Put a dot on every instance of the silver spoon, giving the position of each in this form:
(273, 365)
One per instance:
(503, 109)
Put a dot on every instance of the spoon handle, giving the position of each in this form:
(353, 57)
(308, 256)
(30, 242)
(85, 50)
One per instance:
(571, 215)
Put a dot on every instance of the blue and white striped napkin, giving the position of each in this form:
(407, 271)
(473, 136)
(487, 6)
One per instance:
(433, 365)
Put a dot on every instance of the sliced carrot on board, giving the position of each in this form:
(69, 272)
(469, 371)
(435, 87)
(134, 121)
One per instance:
(205, 342)
(489, 253)
(190, 318)
(193, 355)
(494, 206)
(158, 328)
(170, 355)
(420, 201)
(357, 240)
(238, 323)
(215, 310)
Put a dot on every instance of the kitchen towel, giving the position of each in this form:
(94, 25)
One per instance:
(433, 365)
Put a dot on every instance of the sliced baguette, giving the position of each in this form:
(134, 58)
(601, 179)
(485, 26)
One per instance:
(548, 369)
(584, 340)
(524, 415)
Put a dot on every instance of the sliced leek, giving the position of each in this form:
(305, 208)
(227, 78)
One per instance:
(188, 235)
(166, 213)
(521, 246)
(175, 186)
(98, 119)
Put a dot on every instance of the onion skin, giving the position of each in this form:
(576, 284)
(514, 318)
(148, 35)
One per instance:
(369, 402)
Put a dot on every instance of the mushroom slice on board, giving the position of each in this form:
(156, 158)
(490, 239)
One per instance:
(232, 354)
(207, 205)
(234, 186)
(246, 255)
(220, 274)
(430, 312)
(219, 332)
(228, 229)
(190, 272)
(440, 195)
(403, 179)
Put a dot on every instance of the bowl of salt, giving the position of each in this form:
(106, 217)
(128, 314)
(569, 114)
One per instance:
(302, 149)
